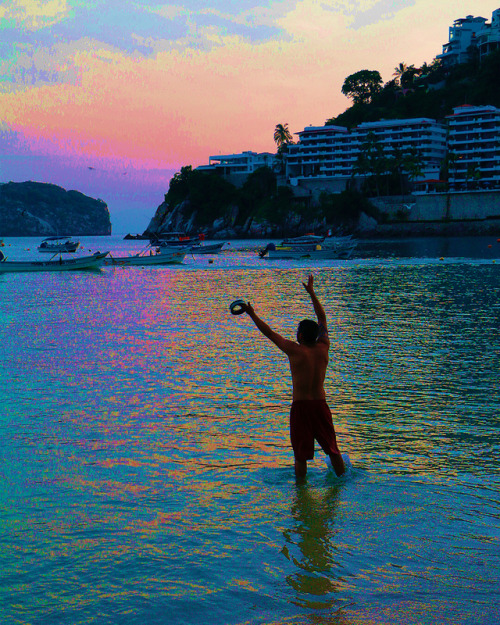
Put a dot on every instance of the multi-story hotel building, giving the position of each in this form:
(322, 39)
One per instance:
(320, 153)
(332, 152)
(474, 147)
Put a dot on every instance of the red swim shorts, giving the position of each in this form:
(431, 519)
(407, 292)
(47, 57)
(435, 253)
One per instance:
(311, 419)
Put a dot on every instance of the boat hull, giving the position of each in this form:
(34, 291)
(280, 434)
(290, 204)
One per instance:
(210, 248)
(84, 262)
(305, 254)
(307, 247)
(163, 258)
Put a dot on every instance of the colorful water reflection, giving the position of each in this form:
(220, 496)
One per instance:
(147, 466)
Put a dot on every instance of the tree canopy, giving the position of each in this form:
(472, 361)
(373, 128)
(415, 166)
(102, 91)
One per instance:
(362, 86)
(429, 91)
(282, 136)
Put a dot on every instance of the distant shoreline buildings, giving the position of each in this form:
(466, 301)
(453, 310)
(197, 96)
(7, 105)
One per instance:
(328, 158)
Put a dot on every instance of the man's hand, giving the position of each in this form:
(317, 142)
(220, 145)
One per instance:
(309, 287)
(247, 308)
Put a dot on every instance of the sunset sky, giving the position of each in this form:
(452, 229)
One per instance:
(111, 97)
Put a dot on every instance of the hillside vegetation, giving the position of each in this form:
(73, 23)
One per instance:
(428, 91)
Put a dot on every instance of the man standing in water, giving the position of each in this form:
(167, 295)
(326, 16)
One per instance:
(310, 416)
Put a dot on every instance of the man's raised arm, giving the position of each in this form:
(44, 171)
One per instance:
(318, 308)
(284, 344)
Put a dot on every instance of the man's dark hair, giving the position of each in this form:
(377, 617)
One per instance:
(309, 330)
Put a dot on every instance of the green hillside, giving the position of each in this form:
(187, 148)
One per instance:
(428, 91)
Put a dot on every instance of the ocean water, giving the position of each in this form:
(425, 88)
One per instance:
(146, 468)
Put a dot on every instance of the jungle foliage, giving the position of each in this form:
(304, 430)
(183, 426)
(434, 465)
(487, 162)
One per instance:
(213, 197)
(428, 91)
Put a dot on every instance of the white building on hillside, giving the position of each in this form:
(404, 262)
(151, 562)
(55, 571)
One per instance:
(332, 152)
(474, 147)
(425, 137)
(236, 167)
(470, 34)
(488, 39)
(319, 153)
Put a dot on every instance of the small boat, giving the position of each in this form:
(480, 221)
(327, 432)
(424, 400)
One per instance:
(56, 245)
(326, 242)
(311, 246)
(194, 246)
(208, 248)
(174, 239)
(157, 255)
(305, 239)
(83, 262)
(311, 251)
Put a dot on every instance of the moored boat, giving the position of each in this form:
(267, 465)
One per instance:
(193, 245)
(341, 251)
(154, 255)
(206, 248)
(340, 242)
(83, 262)
(174, 239)
(57, 245)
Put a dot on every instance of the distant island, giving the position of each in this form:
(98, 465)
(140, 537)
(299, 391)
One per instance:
(41, 209)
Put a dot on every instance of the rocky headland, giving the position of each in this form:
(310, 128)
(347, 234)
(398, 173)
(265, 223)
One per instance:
(437, 214)
(41, 209)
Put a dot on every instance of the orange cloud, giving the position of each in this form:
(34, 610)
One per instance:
(183, 104)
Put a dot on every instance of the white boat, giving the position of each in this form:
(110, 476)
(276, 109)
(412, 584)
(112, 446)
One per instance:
(206, 248)
(70, 264)
(310, 246)
(173, 239)
(194, 246)
(57, 245)
(328, 242)
(154, 255)
(281, 252)
(305, 239)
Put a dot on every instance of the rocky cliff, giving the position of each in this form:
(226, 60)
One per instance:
(40, 209)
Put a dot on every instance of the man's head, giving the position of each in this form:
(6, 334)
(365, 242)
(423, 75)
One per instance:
(307, 331)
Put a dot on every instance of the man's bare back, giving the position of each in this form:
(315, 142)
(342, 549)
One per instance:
(308, 365)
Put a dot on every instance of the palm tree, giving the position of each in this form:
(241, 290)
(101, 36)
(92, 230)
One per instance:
(413, 164)
(282, 136)
(399, 71)
(448, 166)
(473, 173)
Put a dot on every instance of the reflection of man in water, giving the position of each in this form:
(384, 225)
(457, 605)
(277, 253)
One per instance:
(310, 416)
(312, 549)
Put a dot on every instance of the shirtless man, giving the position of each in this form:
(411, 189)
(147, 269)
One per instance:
(310, 416)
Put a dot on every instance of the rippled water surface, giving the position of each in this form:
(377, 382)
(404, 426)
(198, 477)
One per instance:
(145, 457)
